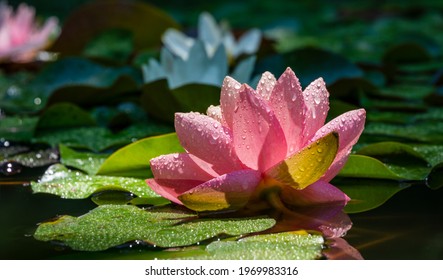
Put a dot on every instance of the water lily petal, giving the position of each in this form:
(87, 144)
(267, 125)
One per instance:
(308, 165)
(227, 192)
(316, 99)
(248, 43)
(317, 193)
(266, 85)
(207, 139)
(177, 42)
(228, 99)
(179, 167)
(286, 100)
(349, 126)
(171, 189)
(258, 137)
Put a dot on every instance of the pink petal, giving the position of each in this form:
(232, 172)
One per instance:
(286, 100)
(229, 191)
(258, 137)
(316, 99)
(179, 167)
(228, 99)
(349, 126)
(318, 193)
(171, 189)
(205, 138)
(266, 85)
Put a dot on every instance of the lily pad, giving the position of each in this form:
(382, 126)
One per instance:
(18, 128)
(361, 166)
(32, 159)
(87, 162)
(310, 63)
(368, 194)
(99, 138)
(64, 115)
(59, 180)
(91, 19)
(133, 160)
(298, 245)
(111, 225)
(76, 80)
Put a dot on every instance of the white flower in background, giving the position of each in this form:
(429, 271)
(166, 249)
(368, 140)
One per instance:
(212, 36)
(198, 68)
(21, 38)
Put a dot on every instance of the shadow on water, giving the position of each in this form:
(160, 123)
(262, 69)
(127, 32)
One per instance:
(408, 226)
(21, 211)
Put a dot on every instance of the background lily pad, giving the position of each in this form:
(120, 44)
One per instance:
(66, 183)
(92, 18)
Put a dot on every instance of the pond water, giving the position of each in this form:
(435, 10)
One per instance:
(408, 226)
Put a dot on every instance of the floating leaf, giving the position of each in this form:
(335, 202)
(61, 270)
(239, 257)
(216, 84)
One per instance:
(133, 160)
(113, 44)
(368, 194)
(87, 162)
(360, 166)
(34, 159)
(423, 132)
(112, 225)
(64, 115)
(297, 245)
(432, 153)
(99, 138)
(66, 183)
(18, 128)
(99, 16)
(311, 63)
(76, 80)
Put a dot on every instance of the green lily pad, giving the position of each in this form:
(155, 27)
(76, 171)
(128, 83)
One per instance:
(111, 225)
(426, 132)
(64, 115)
(361, 166)
(99, 138)
(112, 44)
(87, 162)
(367, 194)
(432, 153)
(34, 159)
(133, 160)
(76, 80)
(310, 63)
(99, 16)
(59, 180)
(17, 128)
(298, 245)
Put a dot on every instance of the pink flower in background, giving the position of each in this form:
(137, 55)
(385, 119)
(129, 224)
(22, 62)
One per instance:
(269, 139)
(20, 37)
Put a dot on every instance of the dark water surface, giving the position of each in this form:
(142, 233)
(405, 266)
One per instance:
(408, 226)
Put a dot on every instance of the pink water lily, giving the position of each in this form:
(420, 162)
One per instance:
(20, 37)
(272, 138)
